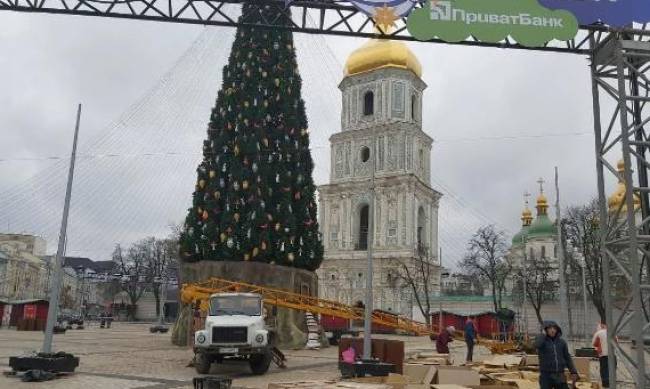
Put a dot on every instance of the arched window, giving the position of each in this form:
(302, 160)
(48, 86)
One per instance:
(368, 103)
(363, 228)
(413, 106)
(421, 228)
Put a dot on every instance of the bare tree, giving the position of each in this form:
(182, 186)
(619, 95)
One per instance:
(132, 266)
(485, 258)
(541, 284)
(418, 277)
(581, 227)
(161, 259)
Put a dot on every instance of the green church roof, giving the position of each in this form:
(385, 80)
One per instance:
(519, 236)
(542, 227)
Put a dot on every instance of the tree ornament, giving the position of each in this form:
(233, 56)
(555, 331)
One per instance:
(224, 167)
(266, 103)
(244, 185)
(246, 104)
(236, 217)
(199, 210)
(236, 150)
(254, 167)
(297, 196)
(255, 251)
(217, 195)
(247, 257)
(290, 257)
(213, 245)
(201, 183)
(264, 74)
(205, 215)
(277, 226)
(222, 183)
(282, 247)
(263, 246)
(277, 177)
(235, 185)
(230, 243)
(190, 231)
(212, 173)
(277, 82)
(276, 46)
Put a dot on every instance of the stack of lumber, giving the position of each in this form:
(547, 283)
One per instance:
(429, 358)
(327, 385)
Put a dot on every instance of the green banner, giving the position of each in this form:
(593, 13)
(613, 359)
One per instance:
(491, 21)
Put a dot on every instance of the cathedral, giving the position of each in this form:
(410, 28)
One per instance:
(381, 141)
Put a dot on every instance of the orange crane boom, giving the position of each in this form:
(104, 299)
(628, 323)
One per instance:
(201, 291)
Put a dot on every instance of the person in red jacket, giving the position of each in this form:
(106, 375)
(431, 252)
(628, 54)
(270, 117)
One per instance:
(444, 338)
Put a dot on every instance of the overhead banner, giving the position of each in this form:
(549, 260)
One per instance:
(525, 21)
(616, 13)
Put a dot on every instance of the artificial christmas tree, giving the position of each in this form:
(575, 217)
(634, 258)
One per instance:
(254, 196)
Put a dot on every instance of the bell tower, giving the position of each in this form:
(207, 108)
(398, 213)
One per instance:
(381, 124)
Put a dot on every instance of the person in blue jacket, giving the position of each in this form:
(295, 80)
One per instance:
(470, 339)
(554, 358)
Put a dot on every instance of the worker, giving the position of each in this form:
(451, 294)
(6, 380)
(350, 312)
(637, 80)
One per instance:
(554, 358)
(599, 342)
(470, 339)
(444, 338)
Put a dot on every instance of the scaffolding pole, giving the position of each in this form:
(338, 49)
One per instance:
(621, 90)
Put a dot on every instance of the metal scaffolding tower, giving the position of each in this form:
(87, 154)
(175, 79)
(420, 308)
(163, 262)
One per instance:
(620, 66)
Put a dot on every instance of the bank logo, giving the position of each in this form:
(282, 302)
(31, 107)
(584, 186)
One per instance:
(441, 10)
(525, 21)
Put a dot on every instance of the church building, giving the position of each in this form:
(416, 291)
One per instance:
(381, 124)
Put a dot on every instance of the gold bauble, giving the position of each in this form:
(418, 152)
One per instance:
(236, 150)
(212, 173)
(236, 217)
(199, 210)
(247, 257)
(277, 82)
(246, 104)
(201, 183)
(223, 237)
(217, 195)
(290, 257)
(277, 226)
(255, 251)
(244, 184)
(263, 245)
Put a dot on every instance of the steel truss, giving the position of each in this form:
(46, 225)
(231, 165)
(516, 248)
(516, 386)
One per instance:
(332, 17)
(620, 65)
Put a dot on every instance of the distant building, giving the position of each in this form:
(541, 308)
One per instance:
(21, 268)
(88, 282)
(459, 284)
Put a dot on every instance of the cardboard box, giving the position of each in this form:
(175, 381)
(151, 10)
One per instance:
(419, 374)
(449, 386)
(583, 365)
(457, 375)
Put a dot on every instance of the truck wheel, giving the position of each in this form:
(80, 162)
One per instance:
(260, 363)
(202, 363)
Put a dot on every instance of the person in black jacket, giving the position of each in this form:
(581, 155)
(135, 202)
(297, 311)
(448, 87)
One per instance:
(554, 358)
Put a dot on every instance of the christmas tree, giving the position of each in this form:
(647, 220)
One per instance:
(254, 196)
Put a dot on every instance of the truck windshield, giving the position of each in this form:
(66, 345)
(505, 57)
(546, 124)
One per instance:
(235, 305)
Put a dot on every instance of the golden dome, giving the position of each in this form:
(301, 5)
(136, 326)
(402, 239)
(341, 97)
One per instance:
(617, 199)
(542, 204)
(382, 53)
(526, 217)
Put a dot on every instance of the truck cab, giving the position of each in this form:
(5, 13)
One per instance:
(235, 328)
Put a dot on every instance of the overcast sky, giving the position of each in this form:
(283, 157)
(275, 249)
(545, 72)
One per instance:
(500, 119)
